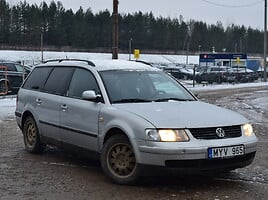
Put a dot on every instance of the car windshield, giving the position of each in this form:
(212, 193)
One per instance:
(143, 86)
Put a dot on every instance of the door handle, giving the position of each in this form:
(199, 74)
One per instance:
(64, 107)
(38, 102)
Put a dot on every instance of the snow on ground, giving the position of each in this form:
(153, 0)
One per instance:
(7, 107)
(35, 56)
(207, 87)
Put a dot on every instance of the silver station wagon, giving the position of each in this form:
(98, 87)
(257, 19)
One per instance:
(130, 115)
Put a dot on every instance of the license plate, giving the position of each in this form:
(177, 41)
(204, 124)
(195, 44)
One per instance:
(225, 152)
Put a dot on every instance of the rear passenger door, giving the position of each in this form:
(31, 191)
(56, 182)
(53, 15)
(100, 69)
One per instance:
(49, 101)
(30, 99)
(79, 118)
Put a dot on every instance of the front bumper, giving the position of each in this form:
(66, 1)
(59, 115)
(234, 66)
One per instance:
(194, 155)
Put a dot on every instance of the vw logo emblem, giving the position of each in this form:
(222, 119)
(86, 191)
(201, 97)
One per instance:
(220, 132)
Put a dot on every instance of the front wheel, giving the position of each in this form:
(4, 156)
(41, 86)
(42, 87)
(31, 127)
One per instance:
(118, 160)
(31, 137)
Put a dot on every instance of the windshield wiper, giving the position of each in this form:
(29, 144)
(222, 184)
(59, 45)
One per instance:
(172, 99)
(130, 100)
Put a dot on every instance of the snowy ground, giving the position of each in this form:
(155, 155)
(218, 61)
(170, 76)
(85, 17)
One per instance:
(35, 57)
(204, 87)
(7, 107)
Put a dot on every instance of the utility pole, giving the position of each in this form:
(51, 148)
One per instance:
(129, 48)
(265, 42)
(42, 48)
(115, 29)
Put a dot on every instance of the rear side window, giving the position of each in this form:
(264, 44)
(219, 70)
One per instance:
(37, 78)
(82, 80)
(58, 80)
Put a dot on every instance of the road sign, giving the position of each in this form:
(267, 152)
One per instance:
(237, 60)
(136, 53)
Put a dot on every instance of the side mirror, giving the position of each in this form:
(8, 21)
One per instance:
(90, 95)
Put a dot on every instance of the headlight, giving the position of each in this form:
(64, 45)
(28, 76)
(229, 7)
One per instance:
(167, 135)
(248, 130)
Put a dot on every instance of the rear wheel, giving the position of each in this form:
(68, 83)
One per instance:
(31, 137)
(118, 160)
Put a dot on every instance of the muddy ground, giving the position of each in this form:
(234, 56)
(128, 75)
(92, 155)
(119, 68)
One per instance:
(58, 175)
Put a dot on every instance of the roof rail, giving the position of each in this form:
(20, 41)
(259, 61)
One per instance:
(67, 59)
(144, 62)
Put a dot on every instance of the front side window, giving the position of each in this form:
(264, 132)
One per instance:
(82, 80)
(142, 86)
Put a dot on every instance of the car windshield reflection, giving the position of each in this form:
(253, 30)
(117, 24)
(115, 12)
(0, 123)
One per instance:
(142, 86)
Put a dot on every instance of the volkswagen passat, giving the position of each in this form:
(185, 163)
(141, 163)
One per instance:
(130, 115)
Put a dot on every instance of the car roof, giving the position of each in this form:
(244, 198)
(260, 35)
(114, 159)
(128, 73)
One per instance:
(102, 65)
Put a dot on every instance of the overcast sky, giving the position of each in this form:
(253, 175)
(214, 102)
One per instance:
(246, 12)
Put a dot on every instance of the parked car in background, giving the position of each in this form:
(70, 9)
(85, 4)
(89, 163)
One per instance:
(244, 75)
(180, 72)
(215, 74)
(131, 115)
(261, 72)
(12, 75)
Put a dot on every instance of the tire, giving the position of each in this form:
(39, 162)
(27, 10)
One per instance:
(31, 137)
(118, 161)
(219, 80)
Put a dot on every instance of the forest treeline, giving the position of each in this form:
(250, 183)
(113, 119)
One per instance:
(24, 23)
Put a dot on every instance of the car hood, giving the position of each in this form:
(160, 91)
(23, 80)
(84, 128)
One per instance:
(188, 114)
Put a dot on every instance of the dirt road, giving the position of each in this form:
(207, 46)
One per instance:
(57, 175)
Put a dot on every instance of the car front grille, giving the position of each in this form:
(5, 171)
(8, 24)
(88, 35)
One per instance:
(210, 133)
